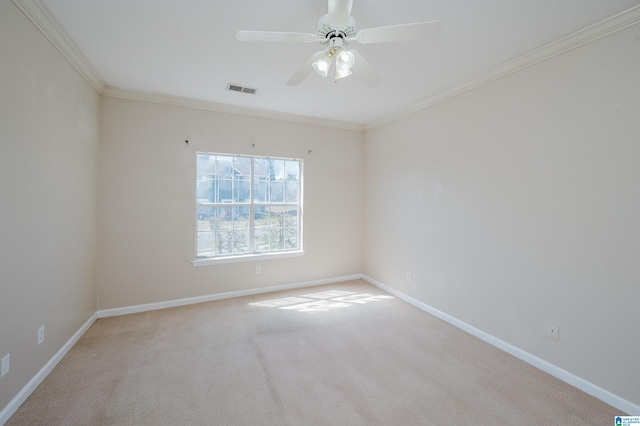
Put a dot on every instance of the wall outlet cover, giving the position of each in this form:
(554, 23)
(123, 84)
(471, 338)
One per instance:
(4, 369)
(41, 335)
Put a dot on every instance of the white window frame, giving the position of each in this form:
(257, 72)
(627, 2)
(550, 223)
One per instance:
(253, 254)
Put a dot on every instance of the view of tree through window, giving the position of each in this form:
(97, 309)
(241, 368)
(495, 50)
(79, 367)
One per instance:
(247, 205)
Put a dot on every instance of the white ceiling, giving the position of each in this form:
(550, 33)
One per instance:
(187, 48)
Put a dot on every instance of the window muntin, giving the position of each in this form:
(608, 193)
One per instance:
(247, 205)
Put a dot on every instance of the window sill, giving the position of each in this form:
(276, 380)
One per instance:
(205, 261)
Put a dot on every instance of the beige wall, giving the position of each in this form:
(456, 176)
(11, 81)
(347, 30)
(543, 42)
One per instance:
(512, 205)
(518, 203)
(146, 214)
(48, 179)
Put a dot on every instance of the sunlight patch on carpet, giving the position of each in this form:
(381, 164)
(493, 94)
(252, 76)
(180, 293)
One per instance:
(322, 301)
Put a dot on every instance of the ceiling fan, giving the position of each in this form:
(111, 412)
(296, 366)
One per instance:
(336, 30)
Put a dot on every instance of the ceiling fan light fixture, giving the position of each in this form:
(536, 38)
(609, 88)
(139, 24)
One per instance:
(322, 65)
(345, 61)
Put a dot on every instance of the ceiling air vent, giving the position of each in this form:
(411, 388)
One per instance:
(236, 88)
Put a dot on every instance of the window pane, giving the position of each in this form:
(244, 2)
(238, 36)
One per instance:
(292, 171)
(290, 231)
(206, 164)
(292, 192)
(276, 192)
(261, 168)
(261, 180)
(261, 191)
(277, 229)
(206, 173)
(223, 179)
(204, 213)
(241, 169)
(259, 212)
(276, 170)
(223, 230)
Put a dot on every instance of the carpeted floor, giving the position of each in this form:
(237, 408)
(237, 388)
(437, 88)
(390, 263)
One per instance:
(343, 354)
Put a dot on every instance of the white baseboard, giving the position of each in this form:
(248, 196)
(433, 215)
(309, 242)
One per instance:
(578, 382)
(35, 381)
(559, 373)
(219, 296)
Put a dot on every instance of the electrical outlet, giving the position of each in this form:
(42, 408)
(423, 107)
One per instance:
(408, 276)
(552, 331)
(41, 335)
(258, 269)
(4, 369)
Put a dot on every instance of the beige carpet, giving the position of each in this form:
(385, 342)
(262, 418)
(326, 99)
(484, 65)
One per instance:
(343, 354)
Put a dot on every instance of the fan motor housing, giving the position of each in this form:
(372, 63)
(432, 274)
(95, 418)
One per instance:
(328, 31)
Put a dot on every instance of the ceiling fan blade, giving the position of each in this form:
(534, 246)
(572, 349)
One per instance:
(339, 12)
(365, 71)
(304, 71)
(404, 32)
(275, 36)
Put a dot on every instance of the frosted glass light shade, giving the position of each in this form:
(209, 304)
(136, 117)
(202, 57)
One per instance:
(345, 60)
(322, 65)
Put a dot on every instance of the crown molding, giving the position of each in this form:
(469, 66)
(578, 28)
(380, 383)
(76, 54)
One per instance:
(573, 41)
(37, 13)
(40, 16)
(115, 92)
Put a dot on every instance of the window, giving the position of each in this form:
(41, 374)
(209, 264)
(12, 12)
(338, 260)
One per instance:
(247, 206)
